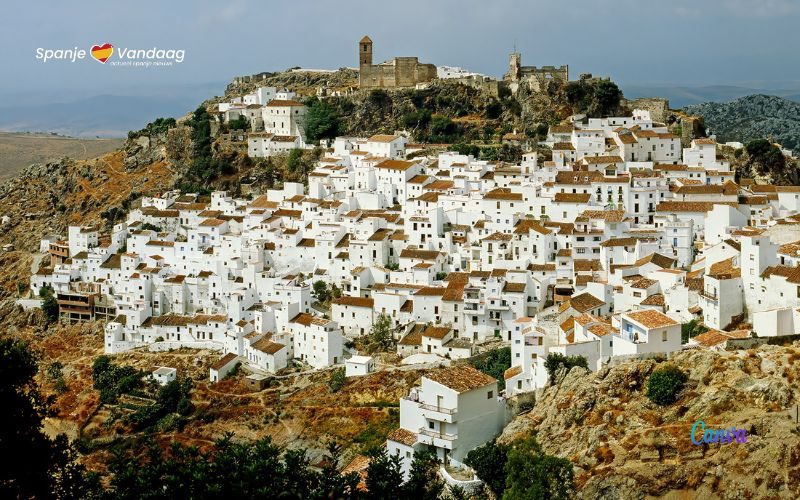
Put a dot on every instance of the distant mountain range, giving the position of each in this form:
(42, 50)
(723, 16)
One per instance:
(752, 117)
(105, 115)
(681, 96)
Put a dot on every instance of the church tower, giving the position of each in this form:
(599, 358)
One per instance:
(365, 51)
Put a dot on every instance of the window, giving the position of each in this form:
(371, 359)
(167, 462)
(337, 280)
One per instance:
(664, 336)
(489, 394)
(430, 425)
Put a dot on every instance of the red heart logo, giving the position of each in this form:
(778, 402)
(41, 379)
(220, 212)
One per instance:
(102, 52)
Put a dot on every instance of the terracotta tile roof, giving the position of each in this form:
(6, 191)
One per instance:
(512, 372)
(690, 206)
(383, 138)
(643, 283)
(498, 237)
(601, 329)
(504, 194)
(354, 301)
(585, 302)
(461, 379)
(606, 215)
(402, 436)
(656, 299)
(510, 287)
(585, 265)
(657, 259)
(267, 346)
(282, 102)
(572, 197)
(395, 165)
(430, 291)
(619, 242)
(651, 319)
(436, 332)
(602, 159)
(415, 253)
(224, 360)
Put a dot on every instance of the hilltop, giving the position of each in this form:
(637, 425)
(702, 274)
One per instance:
(752, 117)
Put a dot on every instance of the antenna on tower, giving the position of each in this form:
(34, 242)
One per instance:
(515, 45)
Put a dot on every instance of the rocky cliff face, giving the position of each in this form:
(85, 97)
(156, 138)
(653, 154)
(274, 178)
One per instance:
(624, 446)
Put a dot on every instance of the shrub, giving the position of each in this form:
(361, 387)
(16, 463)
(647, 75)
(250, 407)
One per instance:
(336, 380)
(488, 462)
(555, 360)
(495, 363)
(665, 384)
(531, 473)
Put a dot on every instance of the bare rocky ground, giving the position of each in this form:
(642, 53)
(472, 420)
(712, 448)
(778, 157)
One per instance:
(624, 446)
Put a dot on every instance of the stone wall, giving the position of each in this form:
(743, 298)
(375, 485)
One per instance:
(404, 72)
(658, 107)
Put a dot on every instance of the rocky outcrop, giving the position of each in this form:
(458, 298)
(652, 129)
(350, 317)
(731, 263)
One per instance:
(624, 446)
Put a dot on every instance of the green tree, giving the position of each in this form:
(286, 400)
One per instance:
(320, 291)
(322, 121)
(384, 475)
(555, 360)
(381, 338)
(605, 98)
(424, 482)
(489, 462)
(293, 160)
(665, 384)
(336, 380)
(691, 329)
(494, 363)
(239, 123)
(40, 467)
(49, 303)
(531, 474)
(767, 157)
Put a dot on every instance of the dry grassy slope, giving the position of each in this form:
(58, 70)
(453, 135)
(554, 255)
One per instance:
(17, 151)
(624, 446)
(46, 198)
(300, 411)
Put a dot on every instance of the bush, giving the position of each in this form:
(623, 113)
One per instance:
(112, 380)
(240, 123)
(555, 360)
(531, 473)
(495, 363)
(665, 384)
(337, 379)
(489, 462)
(322, 121)
(49, 304)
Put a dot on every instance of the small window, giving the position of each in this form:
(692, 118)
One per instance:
(489, 394)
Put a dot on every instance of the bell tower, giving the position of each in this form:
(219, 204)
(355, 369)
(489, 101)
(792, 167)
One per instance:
(365, 51)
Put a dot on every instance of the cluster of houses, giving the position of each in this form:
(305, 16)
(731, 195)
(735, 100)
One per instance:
(275, 117)
(603, 251)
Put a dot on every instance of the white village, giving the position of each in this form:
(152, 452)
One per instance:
(608, 251)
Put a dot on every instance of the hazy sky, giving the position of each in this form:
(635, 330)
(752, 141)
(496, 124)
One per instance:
(632, 41)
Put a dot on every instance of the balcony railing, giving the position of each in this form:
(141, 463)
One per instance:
(440, 409)
(437, 435)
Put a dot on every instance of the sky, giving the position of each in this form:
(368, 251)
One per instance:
(686, 42)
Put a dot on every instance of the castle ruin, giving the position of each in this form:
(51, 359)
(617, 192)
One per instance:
(536, 78)
(396, 73)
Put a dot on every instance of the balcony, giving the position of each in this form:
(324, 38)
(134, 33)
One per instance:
(710, 295)
(437, 439)
(439, 413)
